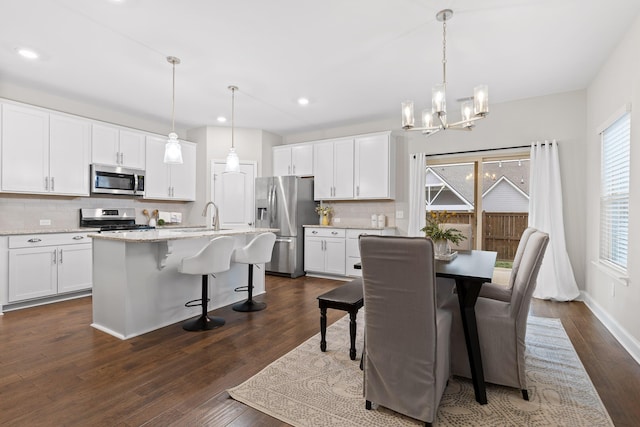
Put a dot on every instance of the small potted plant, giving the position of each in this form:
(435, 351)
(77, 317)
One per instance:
(442, 236)
(324, 212)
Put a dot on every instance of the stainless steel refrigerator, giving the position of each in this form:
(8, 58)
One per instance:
(286, 203)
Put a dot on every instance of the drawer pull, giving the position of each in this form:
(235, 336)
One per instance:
(334, 232)
(34, 240)
(78, 237)
(314, 232)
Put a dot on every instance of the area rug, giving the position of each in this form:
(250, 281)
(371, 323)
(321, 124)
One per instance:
(309, 388)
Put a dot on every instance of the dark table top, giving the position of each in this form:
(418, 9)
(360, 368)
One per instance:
(472, 265)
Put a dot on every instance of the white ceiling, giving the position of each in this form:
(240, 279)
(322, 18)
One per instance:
(356, 60)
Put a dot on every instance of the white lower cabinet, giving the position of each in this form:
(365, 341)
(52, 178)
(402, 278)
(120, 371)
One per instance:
(45, 265)
(324, 250)
(335, 250)
(353, 249)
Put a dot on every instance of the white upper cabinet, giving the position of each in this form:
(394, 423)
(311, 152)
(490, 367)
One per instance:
(293, 160)
(374, 167)
(333, 166)
(117, 147)
(169, 182)
(69, 154)
(44, 153)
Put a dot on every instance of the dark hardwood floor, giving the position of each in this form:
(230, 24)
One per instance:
(57, 370)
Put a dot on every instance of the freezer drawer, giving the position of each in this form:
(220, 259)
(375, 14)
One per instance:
(285, 258)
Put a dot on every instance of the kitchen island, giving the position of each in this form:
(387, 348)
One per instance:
(136, 284)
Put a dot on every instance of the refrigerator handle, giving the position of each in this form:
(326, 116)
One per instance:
(274, 209)
(269, 203)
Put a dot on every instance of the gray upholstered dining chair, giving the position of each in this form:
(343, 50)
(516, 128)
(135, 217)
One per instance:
(502, 325)
(466, 230)
(406, 356)
(500, 292)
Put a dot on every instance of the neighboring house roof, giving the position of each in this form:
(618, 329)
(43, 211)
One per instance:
(505, 196)
(510, 177)
(449, 197)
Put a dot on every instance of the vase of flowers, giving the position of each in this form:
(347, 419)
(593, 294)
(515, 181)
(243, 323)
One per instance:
(442, 237)
(324, 212)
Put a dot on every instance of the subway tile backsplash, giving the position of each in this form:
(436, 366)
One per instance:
(358, 213)
(24, 212)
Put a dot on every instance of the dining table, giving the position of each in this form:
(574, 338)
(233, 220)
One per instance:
(469, 270)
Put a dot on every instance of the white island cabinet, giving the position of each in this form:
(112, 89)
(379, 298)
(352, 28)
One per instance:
(137, 287)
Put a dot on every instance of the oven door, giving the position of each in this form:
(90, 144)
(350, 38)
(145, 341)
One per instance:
(116, 180)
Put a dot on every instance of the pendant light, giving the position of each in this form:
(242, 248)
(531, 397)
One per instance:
(172, 149)
(233, 162)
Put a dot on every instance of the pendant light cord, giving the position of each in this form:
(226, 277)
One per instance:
(173, 100)
(233, 104)
(444, 52)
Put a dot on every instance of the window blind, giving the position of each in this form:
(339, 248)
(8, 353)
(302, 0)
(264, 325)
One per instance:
(614, 192)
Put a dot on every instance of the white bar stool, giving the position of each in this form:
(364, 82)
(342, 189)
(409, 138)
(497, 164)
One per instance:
(258, 251)
(214, 258)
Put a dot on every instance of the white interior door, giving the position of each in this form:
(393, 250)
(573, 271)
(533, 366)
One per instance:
(234, 193)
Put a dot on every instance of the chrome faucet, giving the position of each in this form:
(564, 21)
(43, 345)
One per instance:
(216, 217)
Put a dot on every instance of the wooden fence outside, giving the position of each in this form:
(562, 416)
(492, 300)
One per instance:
(501, 230)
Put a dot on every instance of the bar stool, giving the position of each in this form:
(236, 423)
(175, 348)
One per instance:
(214, 258)
(258, 251)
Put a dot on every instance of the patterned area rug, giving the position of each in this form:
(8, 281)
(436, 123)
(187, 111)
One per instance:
(309, 388)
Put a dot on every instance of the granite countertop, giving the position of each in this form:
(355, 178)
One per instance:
(48, 231)
(164, 234)
(349, 227)
(82, 230)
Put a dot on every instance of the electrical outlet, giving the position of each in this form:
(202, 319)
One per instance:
(399, 214)
(45, 222)
(336, 220)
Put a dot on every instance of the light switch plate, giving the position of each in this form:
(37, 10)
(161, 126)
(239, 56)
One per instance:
(399, 214)
(336, 220)
(45, 222)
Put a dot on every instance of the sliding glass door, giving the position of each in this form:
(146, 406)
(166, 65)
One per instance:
(490, 193)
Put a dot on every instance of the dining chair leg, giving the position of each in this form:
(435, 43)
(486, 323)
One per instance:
(367, 404)
(525, 394)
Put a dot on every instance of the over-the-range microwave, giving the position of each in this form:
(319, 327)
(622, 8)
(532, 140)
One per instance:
(116, 180)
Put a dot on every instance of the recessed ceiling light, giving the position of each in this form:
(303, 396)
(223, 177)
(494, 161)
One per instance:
(303, 101)
(222, 119)
(28, 53)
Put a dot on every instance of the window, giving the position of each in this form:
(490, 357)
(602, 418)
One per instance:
(614, 192)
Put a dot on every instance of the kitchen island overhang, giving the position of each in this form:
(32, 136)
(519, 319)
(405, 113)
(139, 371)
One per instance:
(136, 284)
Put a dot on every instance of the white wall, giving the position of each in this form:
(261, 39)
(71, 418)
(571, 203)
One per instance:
(110, 114)
(617, 83)
(214, 143)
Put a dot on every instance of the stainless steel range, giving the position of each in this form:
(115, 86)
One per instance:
(111, 219)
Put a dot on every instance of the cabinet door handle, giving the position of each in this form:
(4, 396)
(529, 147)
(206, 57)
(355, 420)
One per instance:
(34, 240)
(121, 158)
(294, 169)
(289, 170)
(46, 183)
(60, 256)
(117, 157)
(357, 190)
(78, 237)
(53, 184)
(55, 256)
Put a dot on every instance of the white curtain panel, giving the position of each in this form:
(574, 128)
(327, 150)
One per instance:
(417, 193)
(555, 279)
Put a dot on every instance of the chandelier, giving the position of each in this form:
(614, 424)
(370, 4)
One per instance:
(435, 119)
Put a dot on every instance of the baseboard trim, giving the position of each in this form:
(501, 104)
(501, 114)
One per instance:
(627, 341)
